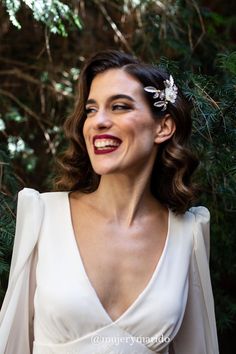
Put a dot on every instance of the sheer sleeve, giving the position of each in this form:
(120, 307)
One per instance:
(16, 316)
(197, 334)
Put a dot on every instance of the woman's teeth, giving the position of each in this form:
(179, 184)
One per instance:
(104, 143)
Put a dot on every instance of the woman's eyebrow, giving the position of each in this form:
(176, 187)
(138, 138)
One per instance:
(117, 97)
(112, 98)
(90, 101)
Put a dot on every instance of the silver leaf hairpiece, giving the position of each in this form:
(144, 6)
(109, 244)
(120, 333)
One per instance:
(169, 94)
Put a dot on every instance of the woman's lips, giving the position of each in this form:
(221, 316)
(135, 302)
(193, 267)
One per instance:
(105, 143)
(104, 151)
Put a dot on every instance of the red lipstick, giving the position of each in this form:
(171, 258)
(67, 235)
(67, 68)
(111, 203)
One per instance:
(106, 136)
(110, 144)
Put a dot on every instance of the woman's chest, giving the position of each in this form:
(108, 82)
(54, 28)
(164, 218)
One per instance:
(119, 261)
(66, 298)
(113, 270)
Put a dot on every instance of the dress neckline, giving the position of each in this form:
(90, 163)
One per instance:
(150, 281)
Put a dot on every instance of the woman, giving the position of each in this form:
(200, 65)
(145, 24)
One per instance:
(114, 261)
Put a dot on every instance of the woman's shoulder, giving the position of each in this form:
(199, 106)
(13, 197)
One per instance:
(200, 212)
(31, 196)
(201, 216)
(196, 214)
(197, 220)
(35, 193)
(28, 198)
(201, 228)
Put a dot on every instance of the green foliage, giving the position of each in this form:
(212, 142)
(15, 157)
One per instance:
(7, 223)
(9, 187)
(227, 62)
(53, 13)
(214, 139)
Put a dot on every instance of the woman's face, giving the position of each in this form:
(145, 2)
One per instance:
(119, 130)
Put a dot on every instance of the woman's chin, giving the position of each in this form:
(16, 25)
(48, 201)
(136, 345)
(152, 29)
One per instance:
(106, 170)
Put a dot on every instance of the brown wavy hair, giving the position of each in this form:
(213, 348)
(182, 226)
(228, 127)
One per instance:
(175, 164)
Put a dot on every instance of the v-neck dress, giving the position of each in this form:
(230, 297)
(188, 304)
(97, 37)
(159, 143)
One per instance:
(62, 312)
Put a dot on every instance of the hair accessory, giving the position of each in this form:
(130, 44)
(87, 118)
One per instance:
(169, 94)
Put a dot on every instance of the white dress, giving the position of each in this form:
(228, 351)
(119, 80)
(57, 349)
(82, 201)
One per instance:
(51, 306)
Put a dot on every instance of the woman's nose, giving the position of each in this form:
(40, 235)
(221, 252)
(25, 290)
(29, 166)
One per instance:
(102, 120)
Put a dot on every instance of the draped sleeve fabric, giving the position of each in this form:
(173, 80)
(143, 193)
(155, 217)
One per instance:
(16, 316)
(198, 334)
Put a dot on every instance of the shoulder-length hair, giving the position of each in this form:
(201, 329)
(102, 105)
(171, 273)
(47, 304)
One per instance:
(175, 163)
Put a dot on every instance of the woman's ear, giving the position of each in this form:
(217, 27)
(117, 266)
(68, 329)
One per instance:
(165, 129)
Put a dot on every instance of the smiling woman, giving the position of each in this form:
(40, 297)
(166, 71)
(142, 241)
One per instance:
(128, 119)
(115, 259)
(124, 81)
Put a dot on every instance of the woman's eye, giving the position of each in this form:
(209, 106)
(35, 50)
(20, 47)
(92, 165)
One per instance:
(89, 110)
(120, 107)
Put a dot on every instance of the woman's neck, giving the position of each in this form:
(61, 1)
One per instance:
(123, 198)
